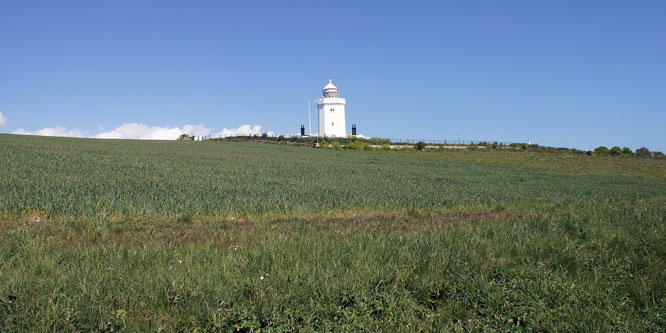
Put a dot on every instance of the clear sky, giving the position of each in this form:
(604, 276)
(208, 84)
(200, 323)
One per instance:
(559, 73)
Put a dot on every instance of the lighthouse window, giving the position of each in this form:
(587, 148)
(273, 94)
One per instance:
(332, 124)
(332, 110)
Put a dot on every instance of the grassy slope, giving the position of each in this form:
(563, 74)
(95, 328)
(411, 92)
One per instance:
(59, 177)
(564, 162)
(501, 240)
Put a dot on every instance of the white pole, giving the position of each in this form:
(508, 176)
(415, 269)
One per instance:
(309, 121)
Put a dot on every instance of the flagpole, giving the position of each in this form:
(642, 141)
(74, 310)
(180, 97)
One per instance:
(309, 121)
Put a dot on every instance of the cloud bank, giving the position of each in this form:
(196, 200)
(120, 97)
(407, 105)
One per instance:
(3, 119)
(241, 130)
(52, 131)
(145, 132)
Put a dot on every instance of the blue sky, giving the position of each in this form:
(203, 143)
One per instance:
(559, 73)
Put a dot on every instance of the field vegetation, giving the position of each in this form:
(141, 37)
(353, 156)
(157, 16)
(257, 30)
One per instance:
(222, 236)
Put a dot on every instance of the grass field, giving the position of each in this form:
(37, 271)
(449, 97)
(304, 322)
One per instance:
(135, 235)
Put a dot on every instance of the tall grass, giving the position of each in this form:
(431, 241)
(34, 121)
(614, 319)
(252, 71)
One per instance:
(586, 269)
(182, 236)
(129, 179)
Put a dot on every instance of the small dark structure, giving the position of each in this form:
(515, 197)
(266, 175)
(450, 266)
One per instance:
(353, 129)
(302, 130)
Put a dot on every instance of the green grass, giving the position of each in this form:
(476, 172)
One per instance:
(59, 177)
(126, 235)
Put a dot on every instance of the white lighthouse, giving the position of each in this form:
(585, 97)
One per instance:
(331, 112)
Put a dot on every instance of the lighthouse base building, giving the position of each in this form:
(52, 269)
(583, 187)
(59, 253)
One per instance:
(331, 112)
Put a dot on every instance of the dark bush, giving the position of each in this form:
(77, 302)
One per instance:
(627, 151)
(615, 151)
(658, 154)
(601, 150)
(420, 145)
(643, 152)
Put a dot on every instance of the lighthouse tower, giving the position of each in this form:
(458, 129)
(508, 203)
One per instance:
(331, 112)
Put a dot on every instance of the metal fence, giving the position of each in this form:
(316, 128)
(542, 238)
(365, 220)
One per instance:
(390, 140)
(450, 142)
(224, 136)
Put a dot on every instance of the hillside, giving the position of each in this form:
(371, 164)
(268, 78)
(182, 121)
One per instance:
(62, 177)
(148, 235)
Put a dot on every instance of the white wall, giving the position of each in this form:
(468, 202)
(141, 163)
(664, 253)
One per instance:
(332, 123)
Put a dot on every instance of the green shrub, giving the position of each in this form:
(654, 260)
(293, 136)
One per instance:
(495, 145)
(627, 151)
(420, 145)
(616, 151)
(643, 152)
(336, 146)
(658, 154)
(602, 150)
(357, 145)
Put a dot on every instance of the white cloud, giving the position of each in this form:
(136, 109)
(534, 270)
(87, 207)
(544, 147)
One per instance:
(244, 130)
(145, 132)
(3, 120)
(52, 131)
(196, 130)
